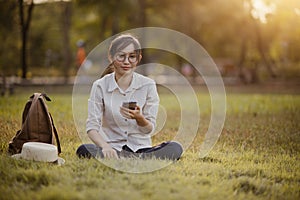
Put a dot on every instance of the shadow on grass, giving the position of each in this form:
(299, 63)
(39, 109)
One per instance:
(210, 160)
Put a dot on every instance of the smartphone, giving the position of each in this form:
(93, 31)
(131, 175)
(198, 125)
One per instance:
(131, 105)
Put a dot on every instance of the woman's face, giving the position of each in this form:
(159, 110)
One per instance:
(125, 61)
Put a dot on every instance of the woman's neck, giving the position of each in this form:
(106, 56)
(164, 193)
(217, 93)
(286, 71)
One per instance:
(124, 81)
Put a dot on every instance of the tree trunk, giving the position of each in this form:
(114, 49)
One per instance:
(3, 86)
(261, 51)
(25, 23)
(143, 23)
(241, 61)
(66, 25)
(103, 25)
(115, 26)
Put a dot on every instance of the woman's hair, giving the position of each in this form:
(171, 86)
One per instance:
(119, 43)
(122, 42)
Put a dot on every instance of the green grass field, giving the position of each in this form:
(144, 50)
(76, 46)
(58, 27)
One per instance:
(256, 157)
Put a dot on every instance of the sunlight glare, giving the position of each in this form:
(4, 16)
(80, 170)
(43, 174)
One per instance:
(261, 10)
(297, 11)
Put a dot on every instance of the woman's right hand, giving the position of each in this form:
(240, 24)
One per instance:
(109, 152)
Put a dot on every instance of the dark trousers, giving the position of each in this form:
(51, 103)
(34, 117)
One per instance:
(167, 150)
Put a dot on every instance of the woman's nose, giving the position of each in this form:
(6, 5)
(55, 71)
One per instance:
(126, 60)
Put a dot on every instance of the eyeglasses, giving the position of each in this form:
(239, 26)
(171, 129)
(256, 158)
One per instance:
(121, 57)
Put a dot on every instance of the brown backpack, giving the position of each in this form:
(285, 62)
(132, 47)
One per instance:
(37, 125)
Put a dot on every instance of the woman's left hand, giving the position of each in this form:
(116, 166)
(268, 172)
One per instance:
(131, 114)
(137, 115)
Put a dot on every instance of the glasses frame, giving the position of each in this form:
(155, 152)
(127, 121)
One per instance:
(127, 56)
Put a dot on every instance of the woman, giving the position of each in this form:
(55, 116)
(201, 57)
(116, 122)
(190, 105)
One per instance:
(116, 130)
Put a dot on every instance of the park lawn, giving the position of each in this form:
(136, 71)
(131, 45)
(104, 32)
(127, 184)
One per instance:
(256, 157)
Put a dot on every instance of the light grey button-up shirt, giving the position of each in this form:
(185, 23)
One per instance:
(104, 111)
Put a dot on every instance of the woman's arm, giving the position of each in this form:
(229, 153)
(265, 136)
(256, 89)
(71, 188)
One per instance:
(94, 121)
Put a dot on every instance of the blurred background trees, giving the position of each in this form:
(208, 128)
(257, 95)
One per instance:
(249, 39)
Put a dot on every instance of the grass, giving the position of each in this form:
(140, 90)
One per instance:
(256, 157)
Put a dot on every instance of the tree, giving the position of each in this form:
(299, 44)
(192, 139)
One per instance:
(225, 30)
(9, 47)
(66, 24)
(25, 20)
(7, 13)
(261, 47)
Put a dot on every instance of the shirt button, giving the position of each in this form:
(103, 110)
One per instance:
(125, 120)
(125, 132)
(124, 95)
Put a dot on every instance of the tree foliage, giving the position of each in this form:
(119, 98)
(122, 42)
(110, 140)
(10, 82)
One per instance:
(9, 53)
(226, 30)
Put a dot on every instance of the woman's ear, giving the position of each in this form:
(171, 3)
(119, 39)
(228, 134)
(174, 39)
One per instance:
(140, 58)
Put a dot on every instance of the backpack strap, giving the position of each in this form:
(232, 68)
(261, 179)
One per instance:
(56, 135)
(44, 95)
(33, 98)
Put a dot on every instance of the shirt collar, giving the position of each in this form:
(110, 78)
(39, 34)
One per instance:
(112, 84)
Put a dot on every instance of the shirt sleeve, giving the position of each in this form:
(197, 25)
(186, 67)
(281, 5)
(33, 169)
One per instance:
(95, 108)
(150, 108)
